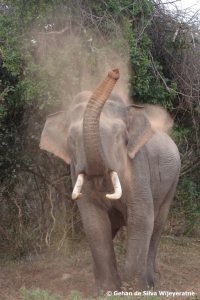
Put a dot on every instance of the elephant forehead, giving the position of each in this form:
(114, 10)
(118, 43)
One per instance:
(76, 113)
(111, 125)
(106, 125)
(115, 110)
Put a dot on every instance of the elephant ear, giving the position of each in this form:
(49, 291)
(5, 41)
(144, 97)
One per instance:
(139, 129)
(54, 135)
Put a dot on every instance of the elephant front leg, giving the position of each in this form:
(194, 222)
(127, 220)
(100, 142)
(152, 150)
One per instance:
(98, 231)
(159, 225)
(140, 228)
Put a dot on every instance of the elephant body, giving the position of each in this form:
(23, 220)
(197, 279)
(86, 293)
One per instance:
(147, 163)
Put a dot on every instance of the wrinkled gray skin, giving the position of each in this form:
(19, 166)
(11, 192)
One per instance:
(148, 168)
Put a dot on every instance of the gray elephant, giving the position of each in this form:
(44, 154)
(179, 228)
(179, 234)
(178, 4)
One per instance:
(124, 169)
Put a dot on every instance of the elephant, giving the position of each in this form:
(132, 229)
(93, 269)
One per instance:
(124, 169)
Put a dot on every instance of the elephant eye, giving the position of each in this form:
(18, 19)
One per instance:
(71, 142)
(125, 137)
(73, 133)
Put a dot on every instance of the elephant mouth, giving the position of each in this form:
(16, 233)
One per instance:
(115, 182)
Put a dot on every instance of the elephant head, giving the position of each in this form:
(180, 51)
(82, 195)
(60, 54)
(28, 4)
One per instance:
(98, 143)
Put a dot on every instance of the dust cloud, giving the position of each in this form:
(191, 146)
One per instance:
(159, 118)
(74, 60)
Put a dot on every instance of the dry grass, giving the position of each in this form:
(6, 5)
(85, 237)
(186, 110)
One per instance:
(62, 273)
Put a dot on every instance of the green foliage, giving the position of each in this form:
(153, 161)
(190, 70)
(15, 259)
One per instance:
(188, 202)
(75, 295)
(37, 294)
(147, 80)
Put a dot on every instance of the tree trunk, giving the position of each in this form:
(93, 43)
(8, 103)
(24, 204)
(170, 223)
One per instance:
(96, 164)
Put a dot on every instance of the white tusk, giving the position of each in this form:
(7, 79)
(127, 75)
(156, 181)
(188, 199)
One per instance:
(78, 186)
(117, 187)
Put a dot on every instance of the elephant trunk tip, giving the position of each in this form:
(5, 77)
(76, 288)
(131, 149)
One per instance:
(114, 74)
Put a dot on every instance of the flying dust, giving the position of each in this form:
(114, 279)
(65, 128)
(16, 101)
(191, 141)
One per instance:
(72, 60)
(76, 59)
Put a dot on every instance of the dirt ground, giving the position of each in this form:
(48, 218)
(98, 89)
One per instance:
(63, 273)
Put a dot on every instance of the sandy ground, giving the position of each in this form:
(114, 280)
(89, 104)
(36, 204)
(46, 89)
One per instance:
(63, 273)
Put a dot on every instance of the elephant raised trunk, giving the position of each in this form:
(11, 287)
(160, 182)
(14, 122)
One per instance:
(96, 164)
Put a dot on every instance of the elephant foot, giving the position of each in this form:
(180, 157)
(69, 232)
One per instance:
(151, 280)
(153, 274)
